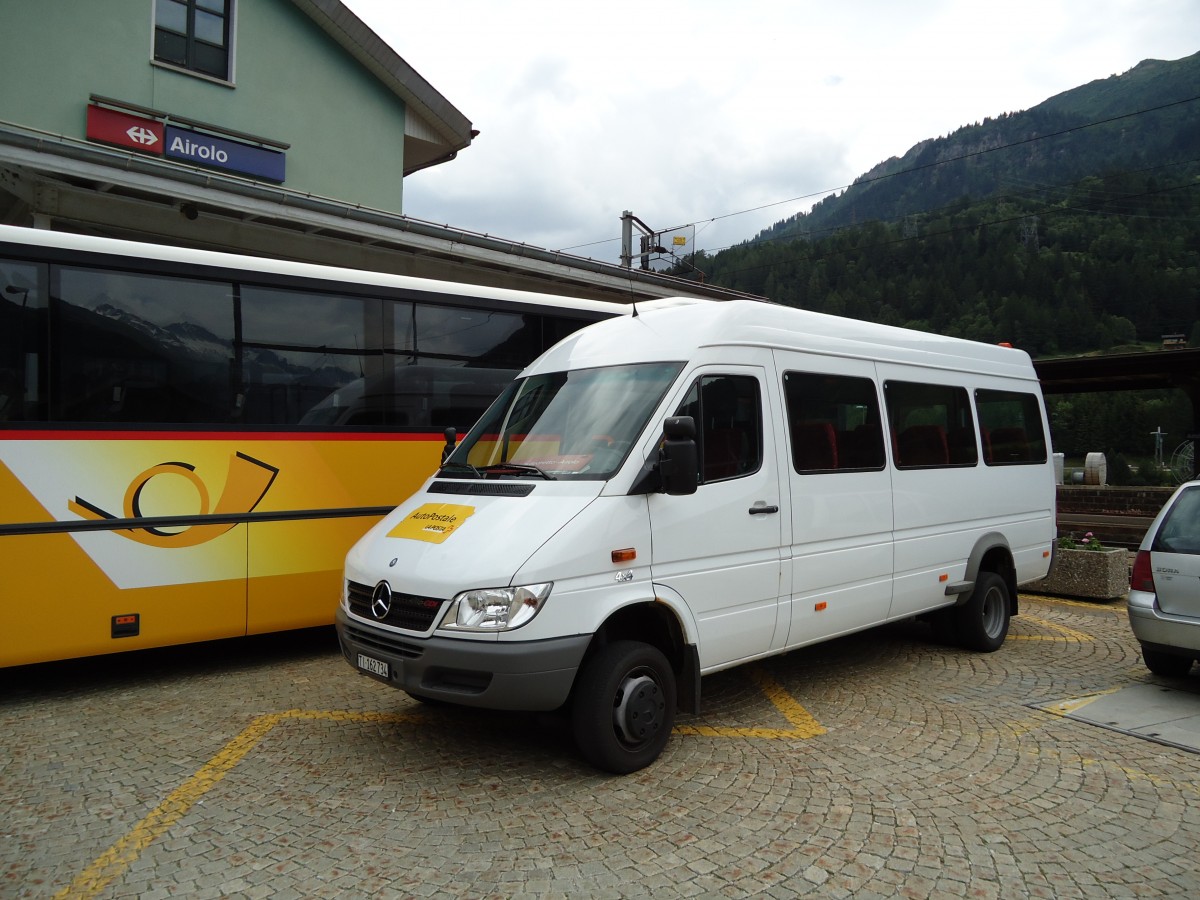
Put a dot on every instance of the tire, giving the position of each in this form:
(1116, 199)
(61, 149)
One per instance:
(1166, 664)
(982, 622)
(624, 707)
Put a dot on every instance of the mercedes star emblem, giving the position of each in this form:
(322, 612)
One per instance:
(381, 600)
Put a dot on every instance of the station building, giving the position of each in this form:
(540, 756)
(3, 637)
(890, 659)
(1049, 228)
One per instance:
(283, 128)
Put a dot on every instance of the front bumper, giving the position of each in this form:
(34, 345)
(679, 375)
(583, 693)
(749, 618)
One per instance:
(524, 675)
(1166, 632)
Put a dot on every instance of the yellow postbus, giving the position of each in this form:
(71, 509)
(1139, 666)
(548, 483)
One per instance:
(190, 441)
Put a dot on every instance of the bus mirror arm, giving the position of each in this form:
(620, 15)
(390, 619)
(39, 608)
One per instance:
(451, 436)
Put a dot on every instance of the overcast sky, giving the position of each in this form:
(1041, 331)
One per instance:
(730, 114)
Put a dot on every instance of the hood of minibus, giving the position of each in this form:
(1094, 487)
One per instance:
(437, 544)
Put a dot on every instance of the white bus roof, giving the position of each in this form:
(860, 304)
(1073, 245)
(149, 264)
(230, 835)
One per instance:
(678, 332)
(672, 328)
(10, 234)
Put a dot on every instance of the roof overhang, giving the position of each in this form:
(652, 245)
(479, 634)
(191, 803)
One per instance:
(81, 186)
(1120, 372)
(1155, 369)
(439, 130)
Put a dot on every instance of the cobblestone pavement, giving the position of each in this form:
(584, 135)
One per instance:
(878, 765)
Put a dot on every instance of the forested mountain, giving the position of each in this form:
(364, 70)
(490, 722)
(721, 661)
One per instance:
(1040, 227)
(1148, 117)
(1104, 262)
(1069, 228)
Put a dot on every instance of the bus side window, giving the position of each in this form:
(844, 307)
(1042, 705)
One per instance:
(135, 348)
(23, 321)
(833, 423)
(1010, 426)
(728, 416)
(932, 425)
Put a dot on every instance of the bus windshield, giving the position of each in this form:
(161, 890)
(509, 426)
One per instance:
(577, 425)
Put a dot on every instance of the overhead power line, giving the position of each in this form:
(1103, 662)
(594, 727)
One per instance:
(1019, 217)
(919, 168)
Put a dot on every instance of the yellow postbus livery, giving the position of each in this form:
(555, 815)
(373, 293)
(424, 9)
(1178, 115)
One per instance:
(190, 441)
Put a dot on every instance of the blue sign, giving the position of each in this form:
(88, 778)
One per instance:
(218, 153)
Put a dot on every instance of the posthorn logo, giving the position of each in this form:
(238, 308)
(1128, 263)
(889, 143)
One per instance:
(247, 481)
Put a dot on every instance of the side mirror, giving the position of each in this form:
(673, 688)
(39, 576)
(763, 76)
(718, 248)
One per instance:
(451, 436)
(678, 460)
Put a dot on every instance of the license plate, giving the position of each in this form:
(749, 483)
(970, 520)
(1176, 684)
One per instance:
(374, 666)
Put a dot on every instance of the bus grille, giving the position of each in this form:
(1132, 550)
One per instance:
(383, 642)
(407, 611)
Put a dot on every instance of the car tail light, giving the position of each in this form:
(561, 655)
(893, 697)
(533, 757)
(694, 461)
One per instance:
(1142, 578)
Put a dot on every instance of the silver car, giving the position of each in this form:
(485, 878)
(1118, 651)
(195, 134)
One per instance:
(1164, 595)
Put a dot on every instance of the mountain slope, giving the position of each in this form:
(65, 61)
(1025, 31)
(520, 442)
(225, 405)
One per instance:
(1147, 117)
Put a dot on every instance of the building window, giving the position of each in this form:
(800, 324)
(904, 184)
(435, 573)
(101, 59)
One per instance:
(194, 34)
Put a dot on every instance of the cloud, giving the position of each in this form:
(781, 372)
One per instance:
(706, 109)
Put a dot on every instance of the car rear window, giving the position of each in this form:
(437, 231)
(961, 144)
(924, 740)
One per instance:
(1180, 530)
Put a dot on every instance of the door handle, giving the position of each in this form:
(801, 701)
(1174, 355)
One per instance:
(763, 510)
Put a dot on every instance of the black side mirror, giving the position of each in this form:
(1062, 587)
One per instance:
(451, 436)
(678, 460)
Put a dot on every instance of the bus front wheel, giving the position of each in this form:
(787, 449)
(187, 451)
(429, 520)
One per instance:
(624, 707)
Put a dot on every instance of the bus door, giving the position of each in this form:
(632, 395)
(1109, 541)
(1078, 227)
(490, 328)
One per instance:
(719, 548)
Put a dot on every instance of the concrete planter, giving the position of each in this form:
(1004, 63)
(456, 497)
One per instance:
(1095, 574)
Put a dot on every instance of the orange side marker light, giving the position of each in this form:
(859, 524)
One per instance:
(624, 556)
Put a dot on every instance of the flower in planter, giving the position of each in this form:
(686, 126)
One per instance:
(1088, 542)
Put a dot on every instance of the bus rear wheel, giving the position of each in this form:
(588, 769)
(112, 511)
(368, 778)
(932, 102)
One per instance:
(982, 622)
(624, 707)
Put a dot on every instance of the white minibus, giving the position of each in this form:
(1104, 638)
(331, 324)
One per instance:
(696, 485)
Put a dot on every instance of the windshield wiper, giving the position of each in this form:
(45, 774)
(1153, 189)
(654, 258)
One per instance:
(459, 467)
(516, 469)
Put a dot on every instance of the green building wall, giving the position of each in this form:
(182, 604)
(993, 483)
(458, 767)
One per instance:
(291, 83)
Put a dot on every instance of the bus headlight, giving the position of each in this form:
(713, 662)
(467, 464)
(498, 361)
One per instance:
(495, 609)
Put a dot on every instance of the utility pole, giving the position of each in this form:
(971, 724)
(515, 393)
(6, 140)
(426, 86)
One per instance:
(1158, 434)
(649, 241)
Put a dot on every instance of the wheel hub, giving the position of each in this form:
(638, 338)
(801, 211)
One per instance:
(638, 714)
(993, 613)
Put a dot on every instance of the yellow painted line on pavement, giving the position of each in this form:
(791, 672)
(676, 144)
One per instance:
(1068, 635)
(1113, 606)
(803, 724)
(1066, 707)
(124, 852)
(114, 861)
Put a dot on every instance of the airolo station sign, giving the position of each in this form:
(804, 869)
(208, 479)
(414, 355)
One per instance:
(160, 138)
